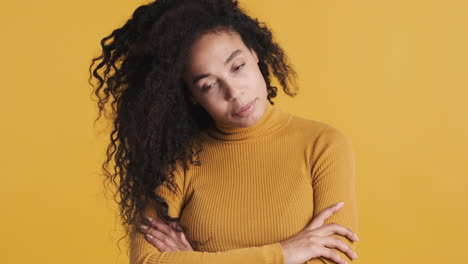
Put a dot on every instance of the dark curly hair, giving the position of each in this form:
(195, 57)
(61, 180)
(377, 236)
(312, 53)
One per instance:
(139, 82)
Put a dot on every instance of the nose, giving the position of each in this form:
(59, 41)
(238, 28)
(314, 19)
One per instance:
(232, 90)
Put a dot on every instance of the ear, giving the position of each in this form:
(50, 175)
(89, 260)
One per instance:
(254, 54)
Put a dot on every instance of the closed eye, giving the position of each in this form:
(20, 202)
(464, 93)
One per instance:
(238, 67)
(205, 88)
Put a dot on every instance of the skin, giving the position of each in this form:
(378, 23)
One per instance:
(164, 237)
(225, 88)
(314, 241)
(222, 89)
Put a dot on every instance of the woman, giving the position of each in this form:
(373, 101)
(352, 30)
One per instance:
(208, 170)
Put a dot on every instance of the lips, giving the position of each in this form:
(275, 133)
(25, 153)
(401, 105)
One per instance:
(245, 107)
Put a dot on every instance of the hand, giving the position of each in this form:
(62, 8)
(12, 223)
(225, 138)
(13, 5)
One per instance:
(315, 241)
(164, 237)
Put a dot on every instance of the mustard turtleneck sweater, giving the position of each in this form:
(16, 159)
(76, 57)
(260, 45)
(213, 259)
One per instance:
(257, 186)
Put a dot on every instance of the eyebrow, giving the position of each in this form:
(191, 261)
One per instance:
(230, 58)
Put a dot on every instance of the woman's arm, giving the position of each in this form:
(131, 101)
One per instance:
(332, 165)
(142, 252)
(334, 180)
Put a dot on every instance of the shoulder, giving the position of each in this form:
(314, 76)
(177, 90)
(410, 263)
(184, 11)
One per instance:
(322, 140)
(316, 131)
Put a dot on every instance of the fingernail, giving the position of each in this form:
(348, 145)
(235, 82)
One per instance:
(357, 238)
(355, 255)
(144, 227)
(149, 236)
(339, 204)
(149, 219)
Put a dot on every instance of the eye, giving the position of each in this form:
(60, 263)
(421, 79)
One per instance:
(206, 88)
(238, 67)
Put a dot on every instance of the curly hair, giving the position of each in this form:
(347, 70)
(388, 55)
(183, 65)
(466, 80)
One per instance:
(139, 83)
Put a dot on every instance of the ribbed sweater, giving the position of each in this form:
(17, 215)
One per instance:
(257, 186)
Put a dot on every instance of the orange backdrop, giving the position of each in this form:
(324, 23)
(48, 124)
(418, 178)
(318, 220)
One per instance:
(391, 74)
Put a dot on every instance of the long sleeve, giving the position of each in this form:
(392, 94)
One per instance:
(333, 179)
(142, 252)
(257, 186)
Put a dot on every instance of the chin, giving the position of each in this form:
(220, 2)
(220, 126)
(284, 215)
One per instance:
(254, 118)
(248, 123)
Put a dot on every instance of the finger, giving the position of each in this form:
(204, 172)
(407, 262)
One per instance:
(334, 228)
(177, 242)
(323, 215)
(333, 255)
(161, 226)
(169, 241)
(158, 243)
(334, 242)
(185, 241)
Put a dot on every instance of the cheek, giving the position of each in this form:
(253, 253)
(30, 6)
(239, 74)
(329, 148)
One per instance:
(252, 80)
(260, 84)
(215, 107)
(257, 76)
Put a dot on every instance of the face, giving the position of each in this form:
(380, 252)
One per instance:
(224, 78)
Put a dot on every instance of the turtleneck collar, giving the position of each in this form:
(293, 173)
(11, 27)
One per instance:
(273, 118)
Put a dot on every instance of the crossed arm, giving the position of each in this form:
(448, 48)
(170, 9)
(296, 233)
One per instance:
(333, 181)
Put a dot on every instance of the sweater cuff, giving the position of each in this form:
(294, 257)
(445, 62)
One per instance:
(273, 253)
(267, 254)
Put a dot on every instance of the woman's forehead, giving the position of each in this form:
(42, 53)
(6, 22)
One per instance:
(214, 50)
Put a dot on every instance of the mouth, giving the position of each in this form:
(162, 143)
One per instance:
(244, 109)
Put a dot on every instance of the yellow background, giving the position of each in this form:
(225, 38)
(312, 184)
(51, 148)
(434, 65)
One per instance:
(392, 75)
